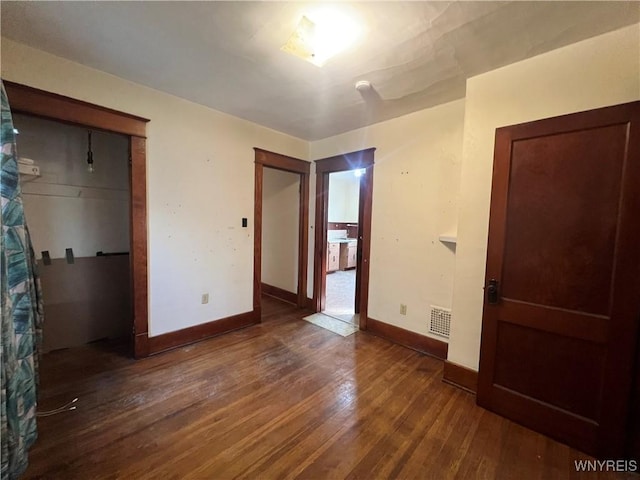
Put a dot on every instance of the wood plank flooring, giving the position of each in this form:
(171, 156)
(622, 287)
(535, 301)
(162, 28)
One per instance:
(284, 399)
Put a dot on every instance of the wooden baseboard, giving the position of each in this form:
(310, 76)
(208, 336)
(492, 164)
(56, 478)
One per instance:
(196, 333)
(280, 293)
(415, 341)
(460, 376)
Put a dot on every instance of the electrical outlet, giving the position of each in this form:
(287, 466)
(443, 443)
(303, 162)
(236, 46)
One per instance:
(403, 309)
(205, 298)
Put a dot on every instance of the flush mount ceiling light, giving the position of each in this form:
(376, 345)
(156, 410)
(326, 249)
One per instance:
(322, 34)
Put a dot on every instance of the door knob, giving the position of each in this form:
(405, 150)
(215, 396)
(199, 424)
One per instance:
(492, 291)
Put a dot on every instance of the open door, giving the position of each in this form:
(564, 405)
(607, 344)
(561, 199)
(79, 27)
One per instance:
(562, 303)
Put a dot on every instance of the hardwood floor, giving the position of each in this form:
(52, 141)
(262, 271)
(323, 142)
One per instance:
(284, 399)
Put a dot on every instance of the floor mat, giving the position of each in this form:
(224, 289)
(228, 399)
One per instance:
(332, 324)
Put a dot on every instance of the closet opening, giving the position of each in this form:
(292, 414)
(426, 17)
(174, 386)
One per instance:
(45, 105)
(76, 193)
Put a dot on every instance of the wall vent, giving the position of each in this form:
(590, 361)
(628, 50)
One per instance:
(440, 321)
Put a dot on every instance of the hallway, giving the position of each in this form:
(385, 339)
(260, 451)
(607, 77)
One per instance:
(341, 290)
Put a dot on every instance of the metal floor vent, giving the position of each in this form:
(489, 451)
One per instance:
(440, 322)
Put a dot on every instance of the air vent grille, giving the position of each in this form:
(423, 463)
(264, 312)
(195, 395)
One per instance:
(440, 321)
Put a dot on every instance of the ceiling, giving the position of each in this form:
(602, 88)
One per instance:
(226, 55)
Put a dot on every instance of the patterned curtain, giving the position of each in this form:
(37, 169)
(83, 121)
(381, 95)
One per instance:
(22, 314)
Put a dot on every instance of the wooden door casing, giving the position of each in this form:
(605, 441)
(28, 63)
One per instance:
(558, 348)
(362, 159)
(266, 159)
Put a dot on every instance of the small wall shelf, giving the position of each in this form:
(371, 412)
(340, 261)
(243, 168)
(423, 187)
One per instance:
(450, 238)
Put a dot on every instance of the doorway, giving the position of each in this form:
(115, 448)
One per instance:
(289, 168)
(342, 245)
(560, 321)
(31, 101)
(361, 161)
(75, 190)
(280, 234)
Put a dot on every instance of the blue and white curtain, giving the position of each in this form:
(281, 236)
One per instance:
(22, 314)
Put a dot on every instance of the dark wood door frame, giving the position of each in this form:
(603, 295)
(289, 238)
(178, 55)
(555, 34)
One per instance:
(340, 163)
(264, 158)
(39, 103)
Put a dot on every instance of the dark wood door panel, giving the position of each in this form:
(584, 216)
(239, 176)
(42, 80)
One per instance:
(561, 224)
(561, 371)
(559, 424)
(593, 328)
(558, 346)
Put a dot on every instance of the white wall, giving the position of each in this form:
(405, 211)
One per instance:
(280, 223)
(417, 166)
(601, 71)
(344, 189)
(68, 207)
(200, 184)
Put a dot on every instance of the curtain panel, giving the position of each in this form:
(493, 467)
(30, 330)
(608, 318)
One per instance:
(21, 312)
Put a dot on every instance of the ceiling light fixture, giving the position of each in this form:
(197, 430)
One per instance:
(322, 34)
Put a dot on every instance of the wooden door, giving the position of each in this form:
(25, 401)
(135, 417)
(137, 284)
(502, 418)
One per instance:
(559, 334)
